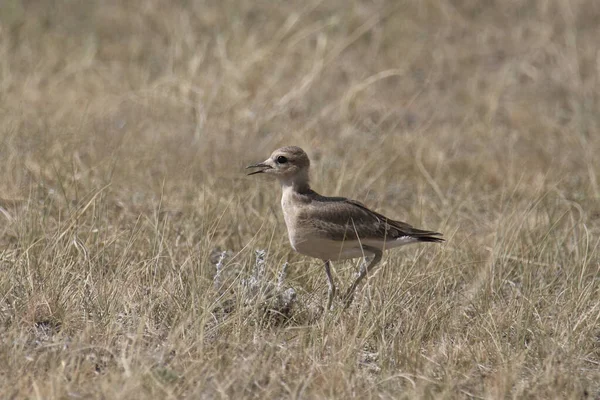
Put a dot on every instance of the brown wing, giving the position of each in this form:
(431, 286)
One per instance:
(340, 218)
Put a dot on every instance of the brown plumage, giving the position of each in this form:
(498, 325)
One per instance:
(339, 218)
(333, 228)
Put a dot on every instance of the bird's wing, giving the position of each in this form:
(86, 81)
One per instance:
(340, 218)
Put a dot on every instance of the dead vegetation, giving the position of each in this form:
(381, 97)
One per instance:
(128, 232)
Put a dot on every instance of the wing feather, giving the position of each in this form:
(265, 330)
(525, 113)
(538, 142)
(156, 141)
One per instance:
(339, 218)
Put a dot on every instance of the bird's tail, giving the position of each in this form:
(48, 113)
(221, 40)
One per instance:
(430, 239)
(426, 236)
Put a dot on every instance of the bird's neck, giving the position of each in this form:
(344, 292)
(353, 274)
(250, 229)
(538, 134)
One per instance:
(298, 183)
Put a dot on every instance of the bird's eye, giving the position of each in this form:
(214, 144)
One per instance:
(281, 160)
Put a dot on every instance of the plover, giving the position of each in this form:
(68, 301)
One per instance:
(333, 228)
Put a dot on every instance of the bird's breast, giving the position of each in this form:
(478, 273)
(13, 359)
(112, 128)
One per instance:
(294, 213)
(290, 214)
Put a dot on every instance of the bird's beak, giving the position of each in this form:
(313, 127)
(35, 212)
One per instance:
(264, 167)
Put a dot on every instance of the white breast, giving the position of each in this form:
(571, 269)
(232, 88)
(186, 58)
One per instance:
(290, 214)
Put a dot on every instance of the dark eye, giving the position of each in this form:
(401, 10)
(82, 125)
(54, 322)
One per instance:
(281, 160)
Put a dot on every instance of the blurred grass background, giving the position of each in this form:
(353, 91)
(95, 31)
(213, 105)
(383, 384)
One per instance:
(124, 130)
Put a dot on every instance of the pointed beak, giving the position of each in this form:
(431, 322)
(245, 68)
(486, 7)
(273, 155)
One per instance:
(261, 165)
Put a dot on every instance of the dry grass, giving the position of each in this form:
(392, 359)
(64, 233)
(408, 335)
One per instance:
(124, 127)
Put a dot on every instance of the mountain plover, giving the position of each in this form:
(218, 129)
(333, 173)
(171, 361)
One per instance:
(333, 228)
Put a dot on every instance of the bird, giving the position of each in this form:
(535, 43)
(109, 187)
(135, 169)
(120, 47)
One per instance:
(333, 228)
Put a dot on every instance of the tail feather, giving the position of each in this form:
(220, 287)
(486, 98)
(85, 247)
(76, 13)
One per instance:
(429, 239)
(404, 229)
(425, 236)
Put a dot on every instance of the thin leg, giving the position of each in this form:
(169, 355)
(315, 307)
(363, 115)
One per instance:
(331, 291)
(364, 270)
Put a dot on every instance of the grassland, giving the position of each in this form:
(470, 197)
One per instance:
(124, 130)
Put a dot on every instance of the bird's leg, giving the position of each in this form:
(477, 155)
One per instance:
(331, 291)
(364, 270)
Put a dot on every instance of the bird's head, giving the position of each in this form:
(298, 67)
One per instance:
(288, 164)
